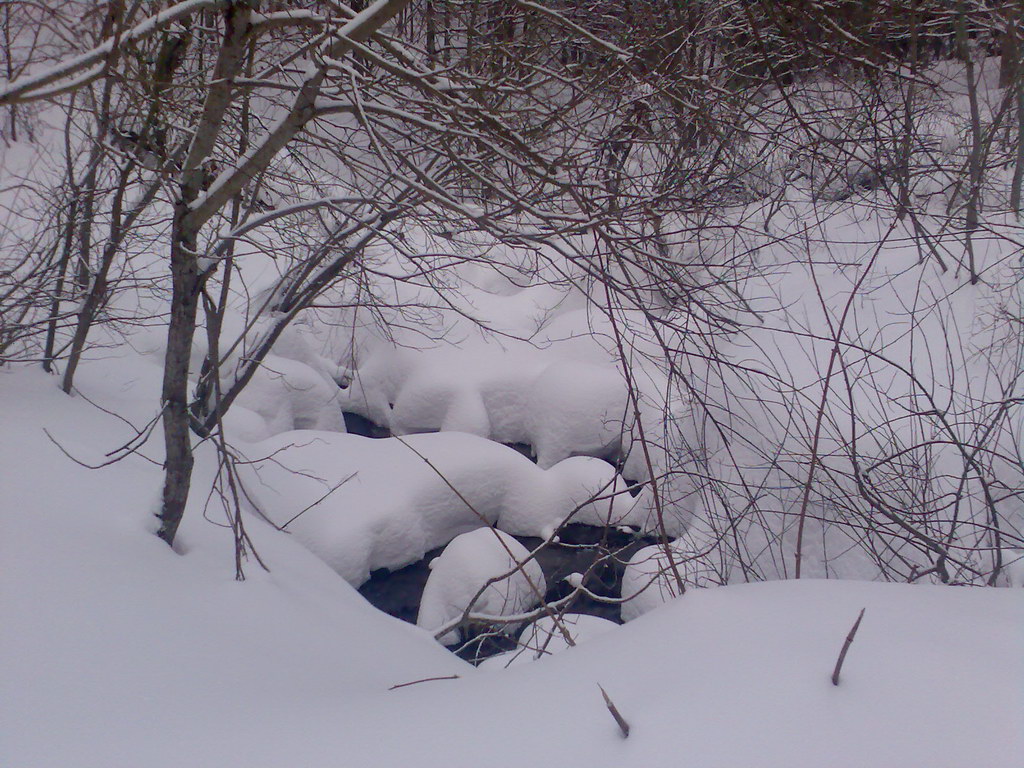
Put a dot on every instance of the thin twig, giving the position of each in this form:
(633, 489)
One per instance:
(301, 512)
(424, 680)
(846, 647)
(619, 719)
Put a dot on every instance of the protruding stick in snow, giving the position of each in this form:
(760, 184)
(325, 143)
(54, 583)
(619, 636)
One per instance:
(424, 680)
(619, 719)
(846, 647)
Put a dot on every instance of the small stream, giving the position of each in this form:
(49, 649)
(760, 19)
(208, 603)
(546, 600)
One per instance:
(599, 554)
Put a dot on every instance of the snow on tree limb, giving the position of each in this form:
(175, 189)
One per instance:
(561, 20)
(22, 88)
(83, 78)
(255, 222)
(265, 21)
(303, 109)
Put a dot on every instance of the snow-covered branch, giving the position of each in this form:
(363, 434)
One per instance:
(303, 109)
(22, 89)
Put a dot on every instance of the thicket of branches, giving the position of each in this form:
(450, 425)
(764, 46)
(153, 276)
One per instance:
(622, 135)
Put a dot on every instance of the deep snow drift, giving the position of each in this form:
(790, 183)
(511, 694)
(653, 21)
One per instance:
(118, 651)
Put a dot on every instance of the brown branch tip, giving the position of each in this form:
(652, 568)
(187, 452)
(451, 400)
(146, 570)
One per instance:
(619, 719)
(846, 647)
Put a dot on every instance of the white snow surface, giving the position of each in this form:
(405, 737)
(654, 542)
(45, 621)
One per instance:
(119, 651)
(485, 572)
(652, 576)
(561, 408)
(363, 504)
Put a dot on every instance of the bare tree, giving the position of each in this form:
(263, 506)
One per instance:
(654, 147)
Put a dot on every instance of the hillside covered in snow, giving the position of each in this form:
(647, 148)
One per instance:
(658, 369)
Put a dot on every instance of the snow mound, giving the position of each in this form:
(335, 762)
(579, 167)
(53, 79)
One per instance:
(289, 395)
(293, 387)
(561, 408)
(485, 573)
(649, 579)
(577, 408)
(545, 636)
(363, 504)
(581, 488)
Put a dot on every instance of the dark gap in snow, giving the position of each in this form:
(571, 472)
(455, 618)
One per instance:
(610, 537)
(524, 448)
(482, 646)
(355, 424)
(398, 593)
(600, 554)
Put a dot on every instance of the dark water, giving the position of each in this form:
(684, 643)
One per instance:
(600, 554)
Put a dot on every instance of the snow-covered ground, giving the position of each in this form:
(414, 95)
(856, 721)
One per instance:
(118, 651)
(846, 349)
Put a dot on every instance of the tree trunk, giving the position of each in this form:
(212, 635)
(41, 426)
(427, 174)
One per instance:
(97, 294)
(192, 211)
(67, 246)
(905, 152)
(974, 164)
(186, 289)
(186, 277)
(1009, 62)
(1018, 171)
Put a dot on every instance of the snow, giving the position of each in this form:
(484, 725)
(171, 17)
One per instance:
(116, 637)
(588, 489)
(130, 647)
(363, 504)
(1014, 559)
(117, 650)
(289, 395)
(544, 373)
(649, 579)
(562, 409)
(460, 582)
(577, 409)
(112, 644)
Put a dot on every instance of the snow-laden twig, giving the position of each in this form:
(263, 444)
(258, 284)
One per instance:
(547, 609)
